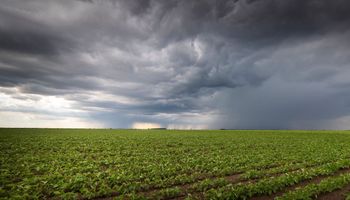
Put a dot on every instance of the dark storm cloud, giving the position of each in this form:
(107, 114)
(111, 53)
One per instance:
(22, 35)
(243, 63)
(28, 42)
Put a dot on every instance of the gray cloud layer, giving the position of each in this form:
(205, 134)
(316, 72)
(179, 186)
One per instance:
(186, 63)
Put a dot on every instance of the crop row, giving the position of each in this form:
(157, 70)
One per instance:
(222, 188)
(274, 184)
(311, 191)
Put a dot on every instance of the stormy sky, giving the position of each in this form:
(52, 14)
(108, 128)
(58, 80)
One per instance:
(186, 64)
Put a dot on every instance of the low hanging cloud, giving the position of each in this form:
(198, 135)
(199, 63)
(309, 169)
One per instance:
(260, 64)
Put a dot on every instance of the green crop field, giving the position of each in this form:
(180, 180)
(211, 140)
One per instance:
(170, 164)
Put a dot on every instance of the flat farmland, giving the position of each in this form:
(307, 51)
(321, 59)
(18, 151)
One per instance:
(174, 164)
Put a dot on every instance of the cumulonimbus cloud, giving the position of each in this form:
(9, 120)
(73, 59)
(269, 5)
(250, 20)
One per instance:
(180, 63)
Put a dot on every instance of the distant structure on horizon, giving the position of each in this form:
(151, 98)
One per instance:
(157, 128)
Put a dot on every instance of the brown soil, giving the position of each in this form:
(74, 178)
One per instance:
(336, 194)
(315, 180)
(234, 179)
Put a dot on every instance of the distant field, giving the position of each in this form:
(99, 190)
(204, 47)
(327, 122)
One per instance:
(167, 164)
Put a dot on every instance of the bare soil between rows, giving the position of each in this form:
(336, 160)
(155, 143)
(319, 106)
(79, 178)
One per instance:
(234, 179)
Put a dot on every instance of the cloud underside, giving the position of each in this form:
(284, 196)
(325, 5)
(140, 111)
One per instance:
(259, 64)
